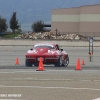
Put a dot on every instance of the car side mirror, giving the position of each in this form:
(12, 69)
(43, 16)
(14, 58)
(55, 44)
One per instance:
(61, 49)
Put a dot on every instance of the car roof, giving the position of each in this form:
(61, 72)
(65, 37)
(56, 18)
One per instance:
(48, 43)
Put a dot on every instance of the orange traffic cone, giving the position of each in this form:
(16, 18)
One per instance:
(78, 66)
(83, 62)
(17, 61)
(40, 67)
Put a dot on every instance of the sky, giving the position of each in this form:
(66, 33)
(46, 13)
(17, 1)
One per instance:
(29, 11)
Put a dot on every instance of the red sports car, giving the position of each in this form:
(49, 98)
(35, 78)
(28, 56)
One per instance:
(50, 53)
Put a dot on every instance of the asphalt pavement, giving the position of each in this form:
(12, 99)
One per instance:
(18, 82)
(8, 55)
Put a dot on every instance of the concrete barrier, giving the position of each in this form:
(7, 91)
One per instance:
(32, 42)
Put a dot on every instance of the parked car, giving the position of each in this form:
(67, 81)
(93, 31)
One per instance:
(50, 53)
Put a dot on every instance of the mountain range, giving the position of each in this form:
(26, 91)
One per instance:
(29, 11)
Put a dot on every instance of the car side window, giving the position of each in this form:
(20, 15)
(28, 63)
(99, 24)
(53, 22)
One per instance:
(51, 47)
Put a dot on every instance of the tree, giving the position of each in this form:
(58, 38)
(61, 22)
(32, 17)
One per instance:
(14, 22)
(3, 25)
(38, 26)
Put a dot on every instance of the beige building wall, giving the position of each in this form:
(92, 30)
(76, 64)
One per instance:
(90, 18)
(65, 20)
(80, 19)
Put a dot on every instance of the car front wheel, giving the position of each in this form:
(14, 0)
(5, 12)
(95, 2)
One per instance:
(59, 62)
(66, 61)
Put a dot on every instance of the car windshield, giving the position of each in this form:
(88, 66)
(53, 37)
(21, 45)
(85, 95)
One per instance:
(44, 46)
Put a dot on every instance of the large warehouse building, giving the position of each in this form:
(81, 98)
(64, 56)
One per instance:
(83, 20)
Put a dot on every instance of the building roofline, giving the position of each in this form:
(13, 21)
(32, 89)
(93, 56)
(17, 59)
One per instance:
(89, 5)
(66, 8)
(78, 7)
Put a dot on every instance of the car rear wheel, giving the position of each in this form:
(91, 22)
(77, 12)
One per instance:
(59, 62)
(28, 64)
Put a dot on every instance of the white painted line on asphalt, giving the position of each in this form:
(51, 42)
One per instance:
(54, 79)
(17, 72)
(6, 72)
(85, 80)
(17, 78)
(90, 80)
(31, 72)
(42, 87)
(97, 99)
(42, 79)
(36, 79)
(11, 99)
(96, 80)
(29, 78)
(22, 78)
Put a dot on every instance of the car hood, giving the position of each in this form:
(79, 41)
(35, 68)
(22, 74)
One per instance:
(40, 51)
